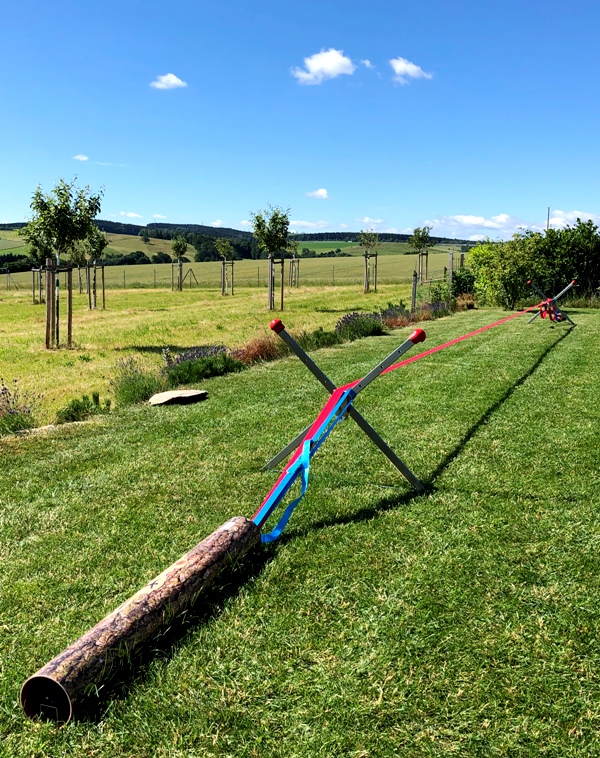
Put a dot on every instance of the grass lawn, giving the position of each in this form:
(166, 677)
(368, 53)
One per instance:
(460, 622)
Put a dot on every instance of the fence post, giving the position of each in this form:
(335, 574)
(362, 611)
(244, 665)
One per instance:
(450, 268)
(413, 294)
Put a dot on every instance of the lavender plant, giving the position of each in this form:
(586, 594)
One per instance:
(16, 408)
(355, 325)
(199, 363)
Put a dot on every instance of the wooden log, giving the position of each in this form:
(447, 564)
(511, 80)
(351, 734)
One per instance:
(53, 690)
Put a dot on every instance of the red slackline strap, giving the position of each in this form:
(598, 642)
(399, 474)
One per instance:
(447, 344)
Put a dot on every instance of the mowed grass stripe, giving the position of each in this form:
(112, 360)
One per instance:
(460, 622)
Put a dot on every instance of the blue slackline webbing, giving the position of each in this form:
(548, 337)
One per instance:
(302, 466)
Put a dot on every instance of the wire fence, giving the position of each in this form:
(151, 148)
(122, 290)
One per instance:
(392, 269)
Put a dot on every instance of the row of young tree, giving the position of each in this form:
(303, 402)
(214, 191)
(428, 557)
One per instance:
(551, 259)
(63, 227)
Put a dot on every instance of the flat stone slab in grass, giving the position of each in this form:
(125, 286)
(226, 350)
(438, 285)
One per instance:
(178, 397)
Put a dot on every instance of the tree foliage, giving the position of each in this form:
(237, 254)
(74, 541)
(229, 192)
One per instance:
(420, 239)
(368, 239)
(501, 271)
(224, 248)
(179, 247)
(61, 219)
(551, 258)
(271, 230)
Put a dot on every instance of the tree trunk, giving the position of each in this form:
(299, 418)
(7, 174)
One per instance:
(52, 691)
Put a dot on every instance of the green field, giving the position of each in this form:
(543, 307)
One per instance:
(253, 273)
(11, 244)
(127, 243)
(143, 321)
(460, 622)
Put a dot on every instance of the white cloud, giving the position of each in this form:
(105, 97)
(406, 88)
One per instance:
(217, 222)
(245, 223)
(320, 194)
(328, 64)
(80, 157)
(344, 226)
(406, 70)
(309, 224)
(468, 225)
(367, 220)
(560, 219)
(473, 227)
(129, 214)
(168, 81)
(367, 63)
(158, 215)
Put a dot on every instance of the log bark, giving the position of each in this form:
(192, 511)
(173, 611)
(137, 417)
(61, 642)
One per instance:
(53, 690)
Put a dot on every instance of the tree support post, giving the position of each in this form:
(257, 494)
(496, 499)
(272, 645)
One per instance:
(69, 308)
(413, 293)
(49, 304)
(271, 283)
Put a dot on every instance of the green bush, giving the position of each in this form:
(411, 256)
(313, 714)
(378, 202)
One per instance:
(463, 282)
(133, 384)
(189, 372)
(318, 338)
(78, 410)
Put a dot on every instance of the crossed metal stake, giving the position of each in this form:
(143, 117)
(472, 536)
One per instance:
(549, 307)
(417, 336)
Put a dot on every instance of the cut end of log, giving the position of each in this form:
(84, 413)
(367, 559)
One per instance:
(44, 697)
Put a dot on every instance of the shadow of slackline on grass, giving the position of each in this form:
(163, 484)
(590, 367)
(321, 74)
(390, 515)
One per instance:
(405, 498)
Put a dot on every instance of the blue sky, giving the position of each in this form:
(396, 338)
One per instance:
(472, 117)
